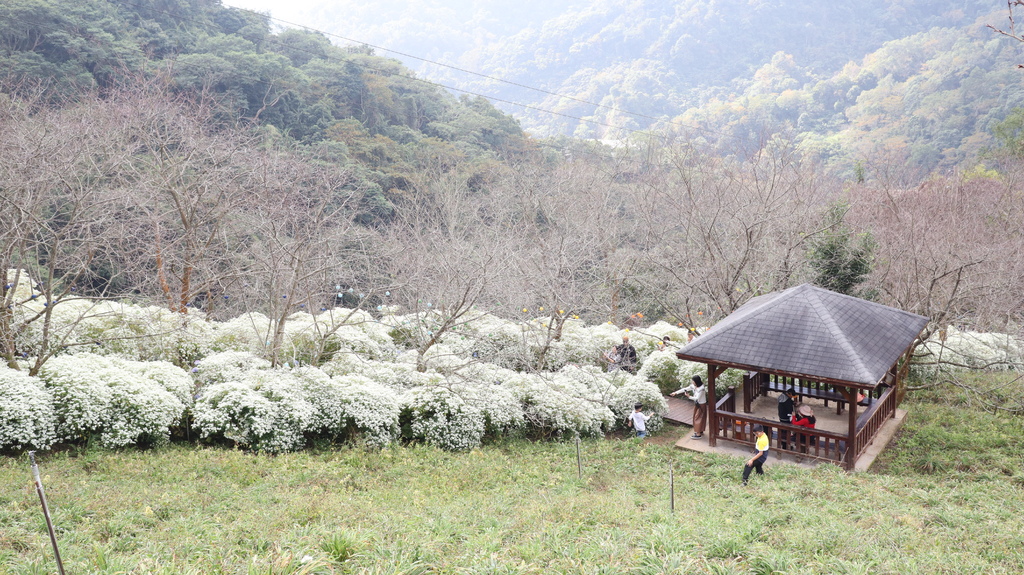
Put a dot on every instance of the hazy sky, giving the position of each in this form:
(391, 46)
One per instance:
(290, 10)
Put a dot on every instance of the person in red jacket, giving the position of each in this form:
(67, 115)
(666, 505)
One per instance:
(804, 417)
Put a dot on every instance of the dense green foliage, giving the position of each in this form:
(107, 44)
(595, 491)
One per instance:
(943, 499)
(839, 260)
(370, 112)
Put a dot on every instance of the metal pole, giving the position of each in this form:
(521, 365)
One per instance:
(671, 490)
(46, 510)
(579, 460)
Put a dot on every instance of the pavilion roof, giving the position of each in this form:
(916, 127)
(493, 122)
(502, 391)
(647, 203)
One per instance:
(810, 331)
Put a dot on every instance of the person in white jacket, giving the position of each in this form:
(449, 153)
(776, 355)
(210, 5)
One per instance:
(699, 394)
(638, 420)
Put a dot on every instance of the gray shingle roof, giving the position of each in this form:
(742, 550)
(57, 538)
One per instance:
(811, 331)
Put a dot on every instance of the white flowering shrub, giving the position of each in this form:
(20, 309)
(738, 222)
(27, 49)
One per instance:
(351, 405)
(498, 341)
(634, 389)
(345, 364)
(481, 386)
(586, 345)
(360, 377)
(172, 378)
(113, 399)
(142, 332)
(228, 366)
(395, 375)
(315, 340)
(264, 410)
(970, 350)
(442, 418)
(410, 330)
(669, 373)
(64, 316)
(27, 419)
(676, 334)
(20, 283)
(376, 330)
(558, 404)
(145, 333)
(251, 332)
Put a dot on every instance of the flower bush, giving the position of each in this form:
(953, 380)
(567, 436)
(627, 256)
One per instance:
(970, 350)
(27, 419)
(558, 404)
(265, 410)
(113, 399)
(442, 418)
(667, 372)
(145, 333)
(228, 366)
(251, 332)
(634, 389)
(350, 405)
(363, 379)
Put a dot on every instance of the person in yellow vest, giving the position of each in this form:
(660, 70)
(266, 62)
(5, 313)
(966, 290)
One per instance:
(755, 462)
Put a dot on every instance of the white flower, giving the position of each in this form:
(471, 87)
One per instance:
(27, 418)
(113, 398)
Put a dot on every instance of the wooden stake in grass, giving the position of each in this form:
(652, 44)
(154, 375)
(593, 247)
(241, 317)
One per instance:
(46, 510)
(671, 491)
(579, 461)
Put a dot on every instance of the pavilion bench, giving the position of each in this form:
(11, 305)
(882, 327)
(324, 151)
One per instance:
(816, 390)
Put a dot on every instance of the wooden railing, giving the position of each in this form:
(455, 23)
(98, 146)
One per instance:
(810, 443)
(872, 420)
(728, 401)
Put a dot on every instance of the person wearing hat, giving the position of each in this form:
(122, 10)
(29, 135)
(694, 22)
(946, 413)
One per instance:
(804, 417)
(786, 402)
(755, 462)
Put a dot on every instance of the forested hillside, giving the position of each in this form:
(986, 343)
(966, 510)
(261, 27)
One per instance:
(365, 112)
(928, 75)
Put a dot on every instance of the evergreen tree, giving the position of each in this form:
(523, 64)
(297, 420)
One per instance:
(840, 258)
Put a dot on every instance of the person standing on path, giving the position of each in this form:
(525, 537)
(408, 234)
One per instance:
(699, 394)
(760, 457)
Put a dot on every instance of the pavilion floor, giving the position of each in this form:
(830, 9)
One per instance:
(766, 407)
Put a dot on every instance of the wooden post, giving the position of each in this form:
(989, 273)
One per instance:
(712, 410)
(748, 391)
(579, 460)
(851, 433)
(46, 510)
(671, 491)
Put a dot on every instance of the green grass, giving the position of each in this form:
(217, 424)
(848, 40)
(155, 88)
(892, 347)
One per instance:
(947, 499)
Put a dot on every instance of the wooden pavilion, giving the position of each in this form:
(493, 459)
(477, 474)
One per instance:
(822, 344)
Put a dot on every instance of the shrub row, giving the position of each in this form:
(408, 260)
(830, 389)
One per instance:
(238, 397)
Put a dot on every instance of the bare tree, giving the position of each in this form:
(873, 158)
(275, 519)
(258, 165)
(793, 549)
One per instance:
(573, 226)
(725, 230)
(63, 188)
(1012, 31)
(303, 239)
(191, 180)
(446, 253)
(950, 249)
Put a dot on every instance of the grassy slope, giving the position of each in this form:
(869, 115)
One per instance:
(518, 507)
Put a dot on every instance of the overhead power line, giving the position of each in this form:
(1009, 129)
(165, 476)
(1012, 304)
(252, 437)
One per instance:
(370, 68)
(497, 79)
